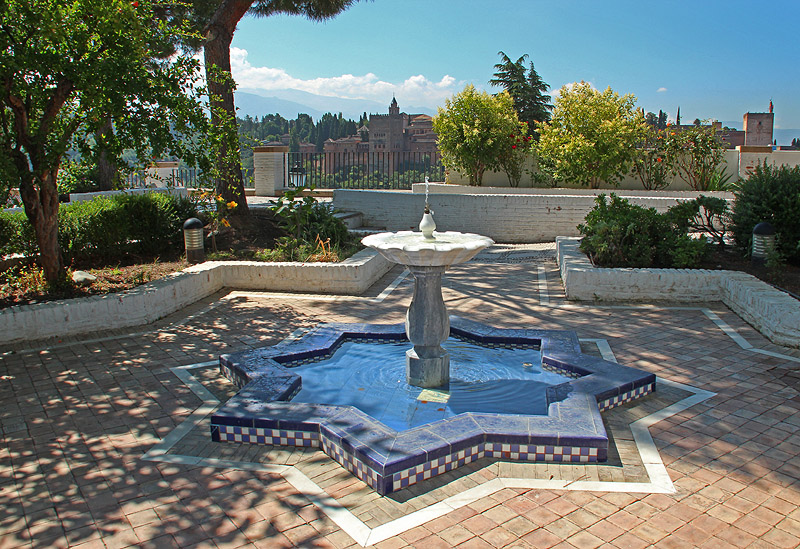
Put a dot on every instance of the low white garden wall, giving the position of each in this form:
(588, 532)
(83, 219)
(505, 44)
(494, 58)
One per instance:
(532, 216)
(157, 299)
(772, 312)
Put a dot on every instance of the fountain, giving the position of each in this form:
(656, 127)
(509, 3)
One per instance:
(435, 427)
(427, 255)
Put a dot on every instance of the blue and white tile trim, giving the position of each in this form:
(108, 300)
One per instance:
(277, 437)
(625, 398)
(262, 411)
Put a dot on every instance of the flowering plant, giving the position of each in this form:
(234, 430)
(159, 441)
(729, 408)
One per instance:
(654, 163)
(217, 211)
(517, 149)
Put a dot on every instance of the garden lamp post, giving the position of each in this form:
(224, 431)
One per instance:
(763, 243)
(193, 240)
(297, 175)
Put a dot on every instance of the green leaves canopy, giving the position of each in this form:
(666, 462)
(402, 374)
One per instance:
(475, 131)
(591, 137)
(66, 67)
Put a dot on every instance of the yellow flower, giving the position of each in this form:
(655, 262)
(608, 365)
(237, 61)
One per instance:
(232, 205)
(224, 222)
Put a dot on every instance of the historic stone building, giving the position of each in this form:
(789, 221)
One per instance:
(398, 139)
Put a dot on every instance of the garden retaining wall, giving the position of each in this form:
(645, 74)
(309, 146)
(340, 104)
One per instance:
(772, 312)
(530, 216)
(154, 300)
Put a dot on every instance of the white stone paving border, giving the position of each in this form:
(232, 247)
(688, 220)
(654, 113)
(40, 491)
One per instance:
(154, 300)
(660, 482)
(773, 313)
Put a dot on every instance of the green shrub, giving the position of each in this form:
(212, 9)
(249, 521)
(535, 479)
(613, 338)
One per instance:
(770, 194)
(306, 219)
(106, 228)
(16, 234)
(91, 228)
(620, 234)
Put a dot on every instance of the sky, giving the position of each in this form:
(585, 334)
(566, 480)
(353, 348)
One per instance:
(713, 59)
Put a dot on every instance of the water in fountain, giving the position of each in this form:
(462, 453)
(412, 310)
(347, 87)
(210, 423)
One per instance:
(370, 376)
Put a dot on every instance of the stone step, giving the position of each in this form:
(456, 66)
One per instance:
(352, 220)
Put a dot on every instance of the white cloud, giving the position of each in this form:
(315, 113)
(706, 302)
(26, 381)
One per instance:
(415, 90)
(661, 89)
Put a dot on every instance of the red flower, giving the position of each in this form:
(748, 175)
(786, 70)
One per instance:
(135, 4)
(658, 159)
(513, 146)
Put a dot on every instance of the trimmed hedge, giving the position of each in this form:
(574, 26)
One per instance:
(106, 228)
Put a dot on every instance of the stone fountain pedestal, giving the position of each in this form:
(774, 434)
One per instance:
(427, 255)
(427, 327)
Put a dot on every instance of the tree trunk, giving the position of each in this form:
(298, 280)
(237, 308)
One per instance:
(106, 164)
(217, 54)
(41, 208)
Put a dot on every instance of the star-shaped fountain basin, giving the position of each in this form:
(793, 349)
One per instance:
(388, 459)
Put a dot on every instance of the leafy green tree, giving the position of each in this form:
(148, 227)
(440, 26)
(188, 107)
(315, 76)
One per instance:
(475, 131)
(592, 136)
(698, 156)
(65, 67)
(528, 90)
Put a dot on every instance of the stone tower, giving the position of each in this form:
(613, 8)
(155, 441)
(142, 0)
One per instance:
(758, 129)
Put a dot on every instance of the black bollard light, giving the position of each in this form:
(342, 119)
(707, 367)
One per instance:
(763, 243)
(193, 240)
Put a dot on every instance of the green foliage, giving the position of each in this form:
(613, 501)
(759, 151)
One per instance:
(16, 234)
(653, 163)
(704, 214)
(698, 156)
(770, 194)
(70, 68)
(591, 137)
(80, 177)
(528, 91)
(475, 131)
(106, 228)
(308, 220)
(620, 234)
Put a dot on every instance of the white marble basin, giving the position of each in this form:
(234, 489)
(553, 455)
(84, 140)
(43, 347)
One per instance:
(412, 248)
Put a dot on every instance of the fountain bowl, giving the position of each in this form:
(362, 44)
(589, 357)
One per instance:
(413, 249)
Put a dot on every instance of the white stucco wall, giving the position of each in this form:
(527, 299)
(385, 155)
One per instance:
(736, 165)
(157, 299)
(510, 217)
(772, 312)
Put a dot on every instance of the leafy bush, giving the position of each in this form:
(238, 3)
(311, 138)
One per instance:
(477, 132)
(106, 228)
(770, 194)
(698, 156)
(16, 234)
(620, 234)
(306, 219)
(704, 214)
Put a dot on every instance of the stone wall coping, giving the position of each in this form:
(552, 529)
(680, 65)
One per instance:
(772, 312)
(149, 302)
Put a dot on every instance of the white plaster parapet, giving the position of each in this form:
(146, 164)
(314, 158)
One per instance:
(149, 302)
(772, 312)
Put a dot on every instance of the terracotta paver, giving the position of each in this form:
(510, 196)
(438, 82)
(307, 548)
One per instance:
(76, 417)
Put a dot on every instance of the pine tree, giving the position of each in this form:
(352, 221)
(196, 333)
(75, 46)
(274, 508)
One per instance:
(527, 90)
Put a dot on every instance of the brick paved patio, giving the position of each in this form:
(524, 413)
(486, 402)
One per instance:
(105, 438)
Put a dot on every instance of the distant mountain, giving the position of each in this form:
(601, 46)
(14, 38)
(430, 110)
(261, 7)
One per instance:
(288, 103)
(257, 105)
(784, 137)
